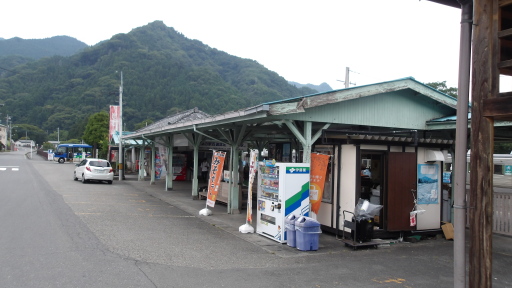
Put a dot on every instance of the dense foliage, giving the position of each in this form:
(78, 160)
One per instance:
(96, 131)
(441, 86)
(163, 71)
(57, 45)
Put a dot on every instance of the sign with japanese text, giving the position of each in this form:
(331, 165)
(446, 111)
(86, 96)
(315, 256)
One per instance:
(114, 121)
(215, 177)
(319, 163)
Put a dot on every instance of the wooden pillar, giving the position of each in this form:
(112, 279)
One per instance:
(152, 170)
(195, 139)
(142, 167)
(307, 139)
(308, 144)
(484, 86)
(170, 153)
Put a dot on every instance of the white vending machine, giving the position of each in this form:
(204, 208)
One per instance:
(283, 189)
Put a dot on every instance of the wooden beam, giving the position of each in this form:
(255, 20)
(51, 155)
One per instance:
(506, 67)
(505, 33)
(498, 108)
(504, 2)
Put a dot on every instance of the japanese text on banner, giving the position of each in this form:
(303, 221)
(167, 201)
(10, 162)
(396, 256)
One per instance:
(215, 177)
(319, 163)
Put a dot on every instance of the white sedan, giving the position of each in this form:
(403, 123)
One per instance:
(93, 169)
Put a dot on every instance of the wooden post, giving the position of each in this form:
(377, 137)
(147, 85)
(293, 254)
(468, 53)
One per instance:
(484, 86)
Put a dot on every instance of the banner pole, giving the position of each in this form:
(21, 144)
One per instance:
(247, 228)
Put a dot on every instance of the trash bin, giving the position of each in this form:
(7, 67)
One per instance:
(307, 233)
(289, 224)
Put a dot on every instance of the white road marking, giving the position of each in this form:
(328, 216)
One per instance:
(13, 168)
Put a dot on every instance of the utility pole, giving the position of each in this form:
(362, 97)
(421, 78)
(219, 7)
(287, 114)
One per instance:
(347, 78)
(347, 81)
(120, 154)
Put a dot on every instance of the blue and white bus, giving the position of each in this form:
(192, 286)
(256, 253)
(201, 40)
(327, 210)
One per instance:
(68, 152)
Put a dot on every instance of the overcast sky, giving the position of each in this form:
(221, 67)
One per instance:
(303, 41)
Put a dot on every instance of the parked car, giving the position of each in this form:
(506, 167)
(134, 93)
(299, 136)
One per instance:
(93, 169)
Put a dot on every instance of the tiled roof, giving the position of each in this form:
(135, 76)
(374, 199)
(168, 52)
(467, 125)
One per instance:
(185, 116)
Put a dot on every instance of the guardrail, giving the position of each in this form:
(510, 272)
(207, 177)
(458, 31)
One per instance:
(502, 216)
(42, 153)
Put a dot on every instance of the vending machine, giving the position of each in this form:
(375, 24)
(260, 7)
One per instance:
(283, 189)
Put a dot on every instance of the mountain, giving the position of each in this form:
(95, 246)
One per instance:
(324, 87)
(39, 48)
(163, 72)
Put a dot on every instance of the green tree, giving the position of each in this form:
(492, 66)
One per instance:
(441, 86)
(96, 130)
(71, 141)
(47, 146)
(143, 124)
(502, 148)
(30, 132)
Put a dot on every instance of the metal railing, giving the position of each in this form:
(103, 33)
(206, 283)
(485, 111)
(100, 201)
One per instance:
(502, 216)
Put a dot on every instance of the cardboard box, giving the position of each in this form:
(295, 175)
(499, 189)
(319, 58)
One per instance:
(447, 230)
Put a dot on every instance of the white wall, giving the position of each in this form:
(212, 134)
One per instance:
(430, 219)
(348, 180)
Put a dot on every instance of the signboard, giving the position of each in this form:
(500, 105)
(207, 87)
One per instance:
(114, 121)
(215, 177)
(508, 169)
(428, 184)
(319, 163)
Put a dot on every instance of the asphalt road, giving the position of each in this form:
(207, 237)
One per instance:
(56, 232)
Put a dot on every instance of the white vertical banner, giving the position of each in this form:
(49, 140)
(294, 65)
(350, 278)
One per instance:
(247, 228)
(252, 174)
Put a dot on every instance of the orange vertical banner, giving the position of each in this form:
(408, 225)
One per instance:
(215, 177)
(318, 173)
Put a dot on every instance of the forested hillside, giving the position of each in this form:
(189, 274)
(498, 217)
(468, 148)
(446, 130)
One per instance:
(164, 72)
(39, 48)
(324, 87)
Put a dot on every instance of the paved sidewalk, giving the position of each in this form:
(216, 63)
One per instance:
(181, 197)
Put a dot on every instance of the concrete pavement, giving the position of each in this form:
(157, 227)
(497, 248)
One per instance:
(427, 263)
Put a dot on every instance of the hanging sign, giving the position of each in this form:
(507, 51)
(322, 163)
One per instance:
(319, 163)
(215, 177)
(114, 121)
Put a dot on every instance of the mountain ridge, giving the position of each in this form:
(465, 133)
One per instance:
(164, 72)
(39, 48)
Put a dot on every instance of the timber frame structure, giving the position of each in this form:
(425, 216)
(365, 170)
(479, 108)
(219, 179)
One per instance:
(490, 45)
(304, 121)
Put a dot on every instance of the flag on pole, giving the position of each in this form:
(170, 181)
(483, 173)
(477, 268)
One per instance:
(252, 173)
(319, 163)
(215, 177)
